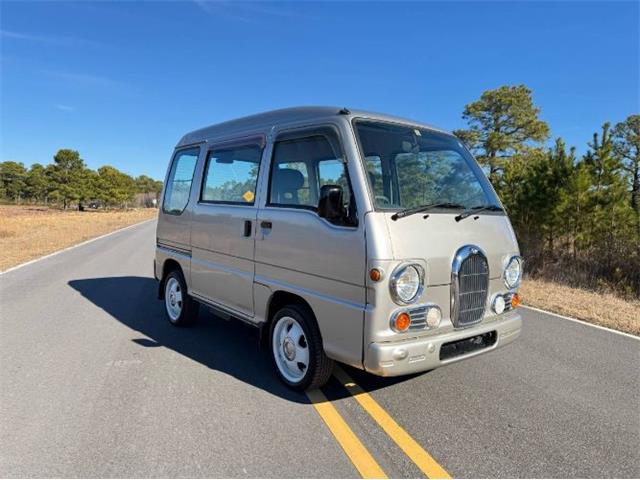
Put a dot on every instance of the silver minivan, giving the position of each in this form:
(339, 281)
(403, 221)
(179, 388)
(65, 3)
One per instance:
(342, 235)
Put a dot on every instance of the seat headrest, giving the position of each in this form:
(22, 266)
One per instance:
(288, 179)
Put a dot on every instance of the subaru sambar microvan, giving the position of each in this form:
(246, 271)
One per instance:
(343, 236)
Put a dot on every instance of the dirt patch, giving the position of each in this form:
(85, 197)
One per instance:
(600, 308)
(28, 232)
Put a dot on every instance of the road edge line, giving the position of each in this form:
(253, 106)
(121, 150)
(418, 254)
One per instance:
(418, 455)
(355, 450)
(583, 322)
(71, 247)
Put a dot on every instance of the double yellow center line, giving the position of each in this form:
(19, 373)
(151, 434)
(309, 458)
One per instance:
(353, 447)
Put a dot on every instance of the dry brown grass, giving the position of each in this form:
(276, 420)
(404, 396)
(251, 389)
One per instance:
(28, 232)
(600, 308)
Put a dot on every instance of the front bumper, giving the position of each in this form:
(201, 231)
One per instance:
(415, 355)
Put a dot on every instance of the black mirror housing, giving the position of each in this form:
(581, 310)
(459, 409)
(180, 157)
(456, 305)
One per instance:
(330, 205)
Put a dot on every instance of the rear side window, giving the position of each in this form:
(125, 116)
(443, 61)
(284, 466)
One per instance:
(176, 195)
(231, 175)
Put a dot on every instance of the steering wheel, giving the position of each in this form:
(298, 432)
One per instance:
(383, 200)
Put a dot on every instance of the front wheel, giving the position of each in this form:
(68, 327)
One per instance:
(296, 349)
(180, 308)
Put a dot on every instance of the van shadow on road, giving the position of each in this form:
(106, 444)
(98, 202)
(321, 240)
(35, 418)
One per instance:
(227, 346)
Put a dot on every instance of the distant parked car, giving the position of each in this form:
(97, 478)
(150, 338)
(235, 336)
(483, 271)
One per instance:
(350, 236)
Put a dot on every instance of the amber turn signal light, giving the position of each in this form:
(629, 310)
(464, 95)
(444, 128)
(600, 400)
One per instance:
(375, 274)
(515, 300)
(402, 322)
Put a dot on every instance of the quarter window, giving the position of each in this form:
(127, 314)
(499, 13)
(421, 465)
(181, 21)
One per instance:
(176, 195)
(231, 175)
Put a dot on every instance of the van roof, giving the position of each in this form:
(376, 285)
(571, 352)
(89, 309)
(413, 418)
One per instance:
(266, 120)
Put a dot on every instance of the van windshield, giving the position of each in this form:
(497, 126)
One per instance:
(410, 167)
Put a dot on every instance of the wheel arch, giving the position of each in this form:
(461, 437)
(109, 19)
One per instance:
(168, 266)
(277, 300)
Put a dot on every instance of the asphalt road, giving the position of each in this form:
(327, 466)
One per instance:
(95, 382)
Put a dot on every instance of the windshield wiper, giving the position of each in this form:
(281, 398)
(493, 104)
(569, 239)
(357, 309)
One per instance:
(423, 208)
(479, 208)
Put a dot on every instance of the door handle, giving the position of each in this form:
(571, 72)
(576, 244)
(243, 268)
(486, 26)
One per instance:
(247, 228)
(266, 224)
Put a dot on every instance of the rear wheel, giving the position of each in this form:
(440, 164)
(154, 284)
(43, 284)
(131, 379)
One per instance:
(180, 308)
(296, 349)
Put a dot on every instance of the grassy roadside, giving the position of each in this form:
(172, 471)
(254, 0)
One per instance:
(599, 308)
(28, 232)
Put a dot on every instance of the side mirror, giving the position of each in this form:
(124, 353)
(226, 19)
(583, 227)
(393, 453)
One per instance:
(330, 205)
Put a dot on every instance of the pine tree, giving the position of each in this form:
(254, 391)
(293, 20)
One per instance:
(37, 183)
(610, 212)
(626, 143)
(13, 180)
(503, 124)
(66, 176)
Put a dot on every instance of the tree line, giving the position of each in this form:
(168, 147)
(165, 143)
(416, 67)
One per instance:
(577, 218)
(68, 182)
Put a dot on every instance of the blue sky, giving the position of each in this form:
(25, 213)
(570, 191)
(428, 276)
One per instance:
(122, 81)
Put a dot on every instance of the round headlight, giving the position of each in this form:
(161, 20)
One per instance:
(513, 272)
(406, 283)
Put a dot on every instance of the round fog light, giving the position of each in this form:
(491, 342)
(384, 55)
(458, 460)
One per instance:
(498, 304)
(434, 315)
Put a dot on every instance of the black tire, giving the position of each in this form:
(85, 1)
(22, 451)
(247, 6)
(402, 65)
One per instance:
(189, 307)
(320, 366)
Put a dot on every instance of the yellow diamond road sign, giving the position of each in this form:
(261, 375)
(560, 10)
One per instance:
(248, 196)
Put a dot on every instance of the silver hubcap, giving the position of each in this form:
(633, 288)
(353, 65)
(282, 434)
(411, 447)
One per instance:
(290, 349)
(173, 299)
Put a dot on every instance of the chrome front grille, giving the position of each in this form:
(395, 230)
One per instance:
(469, 286)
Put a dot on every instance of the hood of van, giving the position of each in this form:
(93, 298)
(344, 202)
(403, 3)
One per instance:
(437, 238)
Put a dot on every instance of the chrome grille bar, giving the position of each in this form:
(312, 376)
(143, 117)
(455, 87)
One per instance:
(418, 318)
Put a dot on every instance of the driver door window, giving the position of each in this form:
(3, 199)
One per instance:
(333, 172)
(302, 165)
